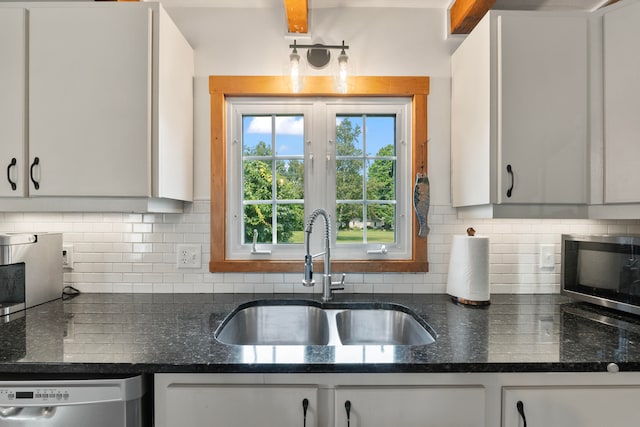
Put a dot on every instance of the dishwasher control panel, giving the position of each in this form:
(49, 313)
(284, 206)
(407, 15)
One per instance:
(14, 396)
(54, 393)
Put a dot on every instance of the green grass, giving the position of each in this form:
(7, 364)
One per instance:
(353, 236)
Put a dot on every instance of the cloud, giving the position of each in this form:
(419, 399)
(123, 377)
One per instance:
(285, 125)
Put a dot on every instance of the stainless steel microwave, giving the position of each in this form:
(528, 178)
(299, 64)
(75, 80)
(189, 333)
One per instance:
(602, 269)
(30, 271)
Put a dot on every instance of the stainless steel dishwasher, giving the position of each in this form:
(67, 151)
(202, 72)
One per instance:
(72, 403)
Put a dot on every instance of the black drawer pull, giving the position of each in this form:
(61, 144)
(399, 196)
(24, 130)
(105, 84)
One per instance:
(520, 408)
(305, 406)
(36, 162)
(347, 407)
(12, 164)
(510, 172)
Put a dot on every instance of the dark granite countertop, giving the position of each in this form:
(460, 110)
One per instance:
(117, 334)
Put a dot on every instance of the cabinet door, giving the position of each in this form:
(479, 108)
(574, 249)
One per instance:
(238, 406)
(622, 105)
(410, 407)
(542, 109)
(90, 100)
(566, 406)
(12, 102)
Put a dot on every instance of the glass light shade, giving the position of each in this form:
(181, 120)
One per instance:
(342, 73)
(295, 72)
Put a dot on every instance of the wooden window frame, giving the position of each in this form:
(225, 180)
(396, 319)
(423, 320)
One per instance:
(221, 87)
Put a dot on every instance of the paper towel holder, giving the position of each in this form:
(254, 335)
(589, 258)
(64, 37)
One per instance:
(460, 290)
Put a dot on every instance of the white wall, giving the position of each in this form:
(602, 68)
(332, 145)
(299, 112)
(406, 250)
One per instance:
(136, 253)
(382, 42)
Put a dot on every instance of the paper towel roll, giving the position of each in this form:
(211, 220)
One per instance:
(468, 279)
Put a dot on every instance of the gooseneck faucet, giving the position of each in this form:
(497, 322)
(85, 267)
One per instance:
(327, 285)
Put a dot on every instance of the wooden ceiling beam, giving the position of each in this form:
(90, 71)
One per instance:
(465, 14)
(297, 16)
(609, 3)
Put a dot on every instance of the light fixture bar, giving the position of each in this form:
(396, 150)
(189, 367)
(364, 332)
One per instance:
(318, 46)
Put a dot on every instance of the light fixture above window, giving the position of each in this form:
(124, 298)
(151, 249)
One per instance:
(318, 57)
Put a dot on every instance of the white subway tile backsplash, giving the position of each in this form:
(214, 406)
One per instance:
(115, 252)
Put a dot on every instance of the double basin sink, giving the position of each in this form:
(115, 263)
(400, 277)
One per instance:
(301, 322)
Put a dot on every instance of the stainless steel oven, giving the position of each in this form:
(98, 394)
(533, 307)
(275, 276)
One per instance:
(602, 269)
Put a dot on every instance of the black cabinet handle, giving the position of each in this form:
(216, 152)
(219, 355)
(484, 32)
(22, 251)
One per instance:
(347, 407)
(305, 406)
(510, 172)
(12, 164)
(36, 162)
(520, 408)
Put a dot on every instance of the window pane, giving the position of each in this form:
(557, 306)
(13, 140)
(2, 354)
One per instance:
(257, 180)
(381, 180)
(381, 220)
(256, 135)
(289, 135)
(290, 179)
(290, 224)
(349, 179)
(258, 217)
(381, 133)
(349, 135)
(350, 225)
(375, 134)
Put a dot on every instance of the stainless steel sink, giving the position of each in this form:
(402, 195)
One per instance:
(380, 327)
(287, 322)
(276, 325)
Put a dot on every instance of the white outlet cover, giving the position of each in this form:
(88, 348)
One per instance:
(188, 256)
(67, 256)
(547, 256)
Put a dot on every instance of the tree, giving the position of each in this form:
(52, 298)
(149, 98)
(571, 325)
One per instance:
(348, 173)
(258, 186)
(381, 186)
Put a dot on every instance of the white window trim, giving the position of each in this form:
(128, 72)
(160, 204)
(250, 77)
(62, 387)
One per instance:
(317, 148)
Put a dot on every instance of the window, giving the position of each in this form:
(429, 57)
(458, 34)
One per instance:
(290, 157)
(354, 156)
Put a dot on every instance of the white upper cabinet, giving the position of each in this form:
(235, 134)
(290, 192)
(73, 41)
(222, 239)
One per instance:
(12, 101)
(110, 108)
(622, 104)
(519, 117)
(90, 101)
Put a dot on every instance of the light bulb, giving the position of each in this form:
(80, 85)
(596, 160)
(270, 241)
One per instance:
(294, 65)
(343, 72)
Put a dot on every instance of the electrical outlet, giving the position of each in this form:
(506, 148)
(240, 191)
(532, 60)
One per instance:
(67, 256)
(547, 257)
(189, 256)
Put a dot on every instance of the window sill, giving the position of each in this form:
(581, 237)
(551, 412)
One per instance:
(339, 266)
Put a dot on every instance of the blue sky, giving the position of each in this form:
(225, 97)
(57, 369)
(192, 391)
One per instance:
(290, 138)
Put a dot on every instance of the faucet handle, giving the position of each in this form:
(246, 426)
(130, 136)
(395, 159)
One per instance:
(338, 286)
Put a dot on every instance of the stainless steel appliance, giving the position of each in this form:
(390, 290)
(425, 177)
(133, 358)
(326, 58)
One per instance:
(30, 271)
(73, 403)
(602, 269)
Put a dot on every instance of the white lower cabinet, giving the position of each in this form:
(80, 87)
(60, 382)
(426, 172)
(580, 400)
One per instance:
(234, 405)
(398, 400)
(410, 406)
(235, 400)
(566, 406)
